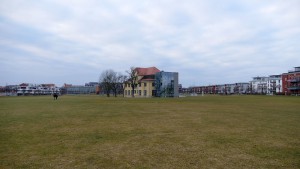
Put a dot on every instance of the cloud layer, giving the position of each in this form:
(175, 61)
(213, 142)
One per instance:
(207, 42)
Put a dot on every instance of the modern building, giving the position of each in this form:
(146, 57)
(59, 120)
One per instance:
(37, 89)
(166, 84)
(88, 88)
(259, 85)
(274, 85)
(219, 89)
(240, 88)
(291, 82)
(226, 89)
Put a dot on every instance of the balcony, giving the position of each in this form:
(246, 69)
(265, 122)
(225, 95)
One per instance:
(294, 88)
(297, 79)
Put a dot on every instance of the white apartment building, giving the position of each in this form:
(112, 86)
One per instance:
(241, 88)
(37, 89)
(274, 84)
(259, 85)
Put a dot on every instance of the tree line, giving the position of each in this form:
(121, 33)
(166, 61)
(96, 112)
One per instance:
(112, 82)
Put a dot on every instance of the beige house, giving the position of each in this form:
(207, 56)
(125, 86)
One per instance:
(145, 86)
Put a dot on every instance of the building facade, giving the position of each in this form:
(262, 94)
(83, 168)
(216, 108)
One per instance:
(166, 84)
(241, 88)
(37, 89)
(81, 90)
(151, 82)
(145, 86)
(274, 85)
(235, 88)
(291, 82)
(88, 88)
(259, 85)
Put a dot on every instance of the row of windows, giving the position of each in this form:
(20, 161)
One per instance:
(128, 92)
(274, 81)
(139, 84)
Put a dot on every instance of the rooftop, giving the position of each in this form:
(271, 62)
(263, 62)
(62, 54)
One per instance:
(146, 71)
(296, 70)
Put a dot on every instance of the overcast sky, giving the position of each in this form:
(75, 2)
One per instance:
(206, 41)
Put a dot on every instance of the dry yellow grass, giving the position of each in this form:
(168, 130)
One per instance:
(191, 132)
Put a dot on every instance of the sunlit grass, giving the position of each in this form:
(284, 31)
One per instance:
(191, 132)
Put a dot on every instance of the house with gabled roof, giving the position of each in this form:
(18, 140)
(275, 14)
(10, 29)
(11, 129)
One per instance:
(151, 82)
(146, 83)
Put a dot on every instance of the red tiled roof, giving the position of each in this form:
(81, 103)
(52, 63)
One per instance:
(146, 71)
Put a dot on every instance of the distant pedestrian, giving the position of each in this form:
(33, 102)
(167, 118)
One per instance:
(55, 96)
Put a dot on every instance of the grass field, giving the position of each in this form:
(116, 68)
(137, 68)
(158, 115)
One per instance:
(191, 132)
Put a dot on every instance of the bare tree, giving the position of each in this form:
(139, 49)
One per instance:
(117, 84)
(122, 80)
(106, 81)
(112, 82)
(132, 79)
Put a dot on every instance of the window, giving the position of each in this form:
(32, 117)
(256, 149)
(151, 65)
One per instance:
(145, 92)
(145, 84)
(140, 84)
(125, 92)
(140, 92)
(153, 84)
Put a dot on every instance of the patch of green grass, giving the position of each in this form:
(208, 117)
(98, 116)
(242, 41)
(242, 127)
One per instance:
(190, 132)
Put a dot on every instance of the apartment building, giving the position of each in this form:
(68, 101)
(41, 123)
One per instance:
(37, 89)
(259, 85)
(240, 88)
(291, 82)
(274, 84)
